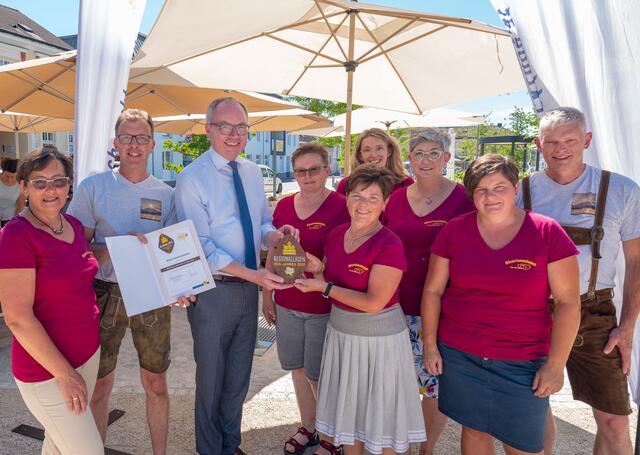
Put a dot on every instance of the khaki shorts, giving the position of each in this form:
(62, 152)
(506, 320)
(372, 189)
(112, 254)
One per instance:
(596, 378)
(151, 331)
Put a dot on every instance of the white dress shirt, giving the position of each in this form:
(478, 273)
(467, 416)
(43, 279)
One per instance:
(206, 195)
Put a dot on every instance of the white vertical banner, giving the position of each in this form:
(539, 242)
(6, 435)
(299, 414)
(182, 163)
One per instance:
(107, 33)
(586, 54)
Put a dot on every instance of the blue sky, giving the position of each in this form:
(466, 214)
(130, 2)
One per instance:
(61, 18)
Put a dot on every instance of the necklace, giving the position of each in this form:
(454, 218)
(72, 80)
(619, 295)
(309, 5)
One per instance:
(56, 231)
(352, 240)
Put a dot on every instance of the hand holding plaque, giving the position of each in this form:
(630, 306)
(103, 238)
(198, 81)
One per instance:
(289, 259)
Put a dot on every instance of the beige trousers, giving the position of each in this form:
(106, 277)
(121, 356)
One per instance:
(65, 432)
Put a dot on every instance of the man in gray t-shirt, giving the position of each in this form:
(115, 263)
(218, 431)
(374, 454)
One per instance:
(123, 201)
(569, 191)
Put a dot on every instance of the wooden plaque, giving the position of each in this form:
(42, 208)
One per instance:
(289, 259)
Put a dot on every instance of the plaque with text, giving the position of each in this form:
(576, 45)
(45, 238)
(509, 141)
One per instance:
(289, 259)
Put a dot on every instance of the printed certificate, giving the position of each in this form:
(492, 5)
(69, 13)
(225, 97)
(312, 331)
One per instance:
(172, 264)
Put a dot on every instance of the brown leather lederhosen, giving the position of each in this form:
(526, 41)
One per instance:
(596, 378)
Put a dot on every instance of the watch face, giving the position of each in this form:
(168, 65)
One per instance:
(289, 259)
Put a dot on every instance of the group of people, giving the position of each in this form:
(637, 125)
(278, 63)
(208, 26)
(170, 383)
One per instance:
(422, 300)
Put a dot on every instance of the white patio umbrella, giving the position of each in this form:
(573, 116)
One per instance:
(284, 120)
(329, 49)
(46, 87)
(369, 117)
(24, 123)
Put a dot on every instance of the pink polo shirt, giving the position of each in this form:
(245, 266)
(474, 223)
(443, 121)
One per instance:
(496, 304)
(342, 185)
(64, 301)
(417, 234)
(313, 232)
(352, 270)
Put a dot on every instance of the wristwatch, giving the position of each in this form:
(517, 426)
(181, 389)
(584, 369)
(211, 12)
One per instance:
(327, 290)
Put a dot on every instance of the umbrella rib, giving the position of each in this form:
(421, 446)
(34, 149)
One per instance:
(306, 49)
(41, 86)
(310, 64)
(333, 35)
(399, 14)
(233, 43)
(393, 48)
(153, 91)
(379, 44)
(384, 52)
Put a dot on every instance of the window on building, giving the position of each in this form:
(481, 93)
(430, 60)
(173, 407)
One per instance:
(70, 142)
(47, 138)
(4, 62)
(167, 157)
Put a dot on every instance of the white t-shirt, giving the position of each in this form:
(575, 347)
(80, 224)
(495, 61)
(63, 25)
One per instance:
(8, 198)
(112, 205)
(574, 204)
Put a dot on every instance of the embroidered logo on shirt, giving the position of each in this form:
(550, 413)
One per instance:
(165, 243)
(316, 225)
(520, 264)
(583, 204)
(357, 268)
(435, 223)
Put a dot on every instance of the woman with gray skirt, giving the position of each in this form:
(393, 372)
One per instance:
(367, 393)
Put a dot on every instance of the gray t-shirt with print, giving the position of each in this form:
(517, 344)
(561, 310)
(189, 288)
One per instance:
(112, 205)
(574, 204)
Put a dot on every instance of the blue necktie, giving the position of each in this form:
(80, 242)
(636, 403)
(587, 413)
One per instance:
(245, 219)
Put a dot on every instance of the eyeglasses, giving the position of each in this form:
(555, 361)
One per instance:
(432, 155)
(227, 129)
(312, 171)
(140, 139)
(41, 184)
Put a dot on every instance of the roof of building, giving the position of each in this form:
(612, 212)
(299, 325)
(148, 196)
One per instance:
(14, 22)
(72, 40)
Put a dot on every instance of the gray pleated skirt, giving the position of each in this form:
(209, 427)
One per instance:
(367, 389)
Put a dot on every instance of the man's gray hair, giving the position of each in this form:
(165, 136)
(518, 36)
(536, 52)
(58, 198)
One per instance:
(431, 135)
(561, 116)
(223, 100)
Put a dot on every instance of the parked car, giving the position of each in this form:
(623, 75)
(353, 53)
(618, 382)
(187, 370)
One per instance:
(267, 177)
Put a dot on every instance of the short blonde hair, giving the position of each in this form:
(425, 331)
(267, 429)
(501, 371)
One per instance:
(311, 148)
(131, 115)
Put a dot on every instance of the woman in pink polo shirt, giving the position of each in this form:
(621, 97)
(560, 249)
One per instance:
(489, 334)
(367, 394)
(46, 288)
(377, 147)
(417, 214)
(301, 320)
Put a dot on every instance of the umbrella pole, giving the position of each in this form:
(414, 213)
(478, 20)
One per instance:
(350, 66)
(16, 139)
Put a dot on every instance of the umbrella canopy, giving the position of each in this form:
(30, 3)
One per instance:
(46, 87)
(25, 123)
(368, 117)
(284, 120)
(330, 49)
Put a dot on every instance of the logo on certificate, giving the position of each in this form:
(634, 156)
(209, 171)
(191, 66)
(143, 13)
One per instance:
(165, 243)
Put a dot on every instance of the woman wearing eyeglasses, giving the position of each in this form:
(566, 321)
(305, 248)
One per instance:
(301, 319)
(417, 214)
(46, 288)
(375, 146)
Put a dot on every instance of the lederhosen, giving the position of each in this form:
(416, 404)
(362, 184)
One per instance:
(596, 378)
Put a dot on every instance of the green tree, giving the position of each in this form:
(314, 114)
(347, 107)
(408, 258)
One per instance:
(523, 122)
(324, 107)
(191, 148)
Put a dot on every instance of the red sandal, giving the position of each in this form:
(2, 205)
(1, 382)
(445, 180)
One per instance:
(333, 450)
(312, 440)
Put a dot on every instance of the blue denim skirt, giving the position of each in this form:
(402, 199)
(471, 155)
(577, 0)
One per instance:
(493, 396)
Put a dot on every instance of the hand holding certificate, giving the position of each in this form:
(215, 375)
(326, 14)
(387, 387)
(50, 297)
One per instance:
(170, 265)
